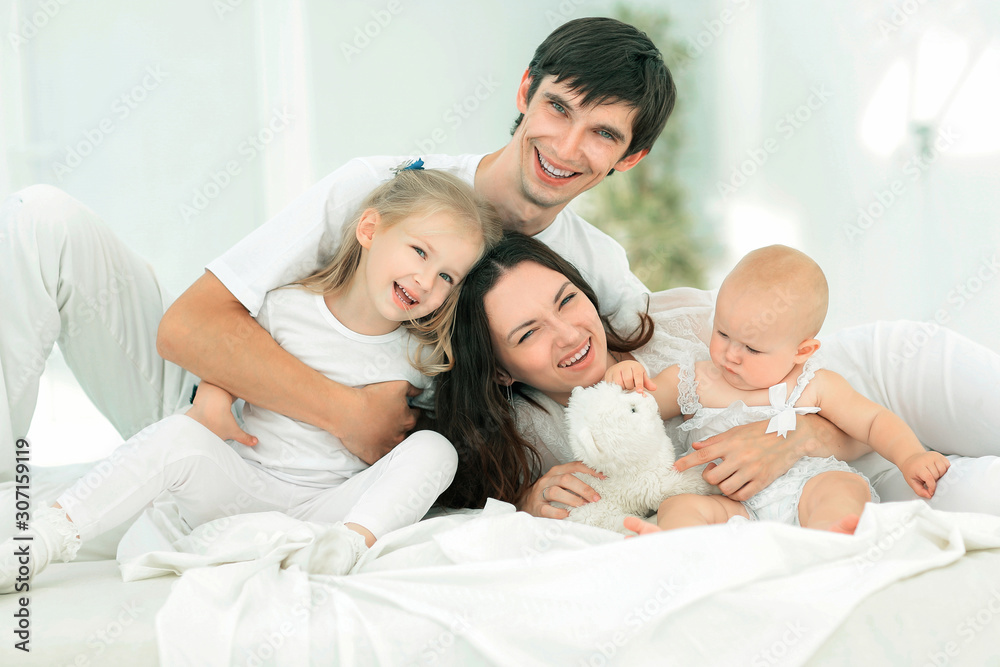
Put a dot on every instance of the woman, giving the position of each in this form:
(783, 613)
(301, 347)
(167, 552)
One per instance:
(528, 331)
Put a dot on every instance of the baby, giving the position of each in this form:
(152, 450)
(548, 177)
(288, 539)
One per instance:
(768, 312)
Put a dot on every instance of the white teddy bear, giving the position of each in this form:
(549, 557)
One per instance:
(620, 433)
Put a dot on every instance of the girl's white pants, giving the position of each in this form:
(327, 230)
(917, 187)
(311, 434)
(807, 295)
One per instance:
(209, 480)
(64, 276)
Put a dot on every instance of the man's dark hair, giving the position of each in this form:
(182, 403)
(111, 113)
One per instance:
(606, 60)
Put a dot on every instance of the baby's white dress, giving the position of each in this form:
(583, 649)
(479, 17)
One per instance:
(780, 500)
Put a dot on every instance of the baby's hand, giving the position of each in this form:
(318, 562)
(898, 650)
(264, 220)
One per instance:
(922, 471)
(630, 375)
(213, 409)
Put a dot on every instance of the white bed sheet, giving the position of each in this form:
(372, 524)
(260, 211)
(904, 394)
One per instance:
(505, 588)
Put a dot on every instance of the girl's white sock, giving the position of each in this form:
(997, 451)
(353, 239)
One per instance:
(335, 550)
(54, 537)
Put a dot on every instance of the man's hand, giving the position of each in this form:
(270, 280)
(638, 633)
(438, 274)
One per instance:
(379, 420)
(213, 409)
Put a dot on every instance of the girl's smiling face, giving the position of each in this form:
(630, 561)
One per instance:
(545, 332)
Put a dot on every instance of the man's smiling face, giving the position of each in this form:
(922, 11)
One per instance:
(567, 148)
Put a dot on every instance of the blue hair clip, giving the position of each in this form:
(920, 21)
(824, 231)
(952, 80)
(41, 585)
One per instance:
(409, 165)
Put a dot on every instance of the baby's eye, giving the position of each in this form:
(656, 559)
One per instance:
(722, 334)
(420, 251)
(448, 279)
(752, 351)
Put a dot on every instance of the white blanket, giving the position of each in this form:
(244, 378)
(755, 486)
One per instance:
(501, 587)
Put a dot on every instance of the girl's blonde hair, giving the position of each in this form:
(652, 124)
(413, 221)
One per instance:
(410, 193)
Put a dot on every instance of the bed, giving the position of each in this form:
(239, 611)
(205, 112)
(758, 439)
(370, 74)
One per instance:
(499, 587)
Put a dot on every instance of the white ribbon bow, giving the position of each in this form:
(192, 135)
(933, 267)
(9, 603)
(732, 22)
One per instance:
(784, 421)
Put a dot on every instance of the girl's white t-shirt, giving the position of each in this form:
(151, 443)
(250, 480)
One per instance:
(300, 322)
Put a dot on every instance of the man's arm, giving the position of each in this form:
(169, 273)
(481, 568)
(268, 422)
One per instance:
(210, 333)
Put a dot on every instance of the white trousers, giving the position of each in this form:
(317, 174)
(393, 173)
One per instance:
(65, 277)
(209, 480)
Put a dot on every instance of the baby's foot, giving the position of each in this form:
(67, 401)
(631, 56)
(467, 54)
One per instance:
(847, 525)
(637, 525)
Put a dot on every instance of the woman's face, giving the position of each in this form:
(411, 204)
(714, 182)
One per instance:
(546, 333)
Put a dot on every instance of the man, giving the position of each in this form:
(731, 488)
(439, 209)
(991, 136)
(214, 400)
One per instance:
(595, 97)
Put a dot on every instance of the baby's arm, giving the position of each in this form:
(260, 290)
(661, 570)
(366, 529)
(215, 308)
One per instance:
(631, 375)
(885, 431)
(213, 409)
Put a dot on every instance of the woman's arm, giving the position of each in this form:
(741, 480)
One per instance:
(752, 459)
(210, 333)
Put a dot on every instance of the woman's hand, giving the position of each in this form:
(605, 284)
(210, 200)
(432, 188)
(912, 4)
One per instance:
(561, 486)
(752, 459)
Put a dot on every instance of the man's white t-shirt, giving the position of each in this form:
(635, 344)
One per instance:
(300, 322)
(302, 237)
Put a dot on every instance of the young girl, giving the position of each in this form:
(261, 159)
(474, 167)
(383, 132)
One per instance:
(768, 312)
(399, 263)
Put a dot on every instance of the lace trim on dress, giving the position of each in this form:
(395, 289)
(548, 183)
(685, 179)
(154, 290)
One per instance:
(805, 377)
(687, 389)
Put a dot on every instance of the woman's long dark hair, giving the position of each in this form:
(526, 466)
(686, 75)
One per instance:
(472, 410)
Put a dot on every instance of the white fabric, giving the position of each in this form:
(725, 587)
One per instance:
(67, 278)
(303, 236)
(300, 322)
(504, 588)
(705, 421)
(208, 480)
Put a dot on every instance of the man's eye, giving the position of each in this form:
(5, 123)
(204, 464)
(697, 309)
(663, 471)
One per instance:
(606, 134)
(558, 108)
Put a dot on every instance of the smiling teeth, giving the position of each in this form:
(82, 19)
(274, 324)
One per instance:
(403, 290)
(577, 357)
(558, 173)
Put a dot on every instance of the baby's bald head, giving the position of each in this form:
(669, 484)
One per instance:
(788, 279)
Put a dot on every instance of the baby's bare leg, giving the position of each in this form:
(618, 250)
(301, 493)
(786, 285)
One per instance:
(833, 501)
(689, 509)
